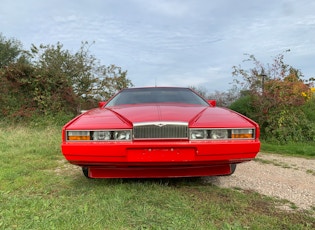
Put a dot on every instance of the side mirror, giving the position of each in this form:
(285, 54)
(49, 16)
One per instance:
(212, 102)
(101, 104)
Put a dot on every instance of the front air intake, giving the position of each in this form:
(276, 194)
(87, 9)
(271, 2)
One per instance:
(160, 130)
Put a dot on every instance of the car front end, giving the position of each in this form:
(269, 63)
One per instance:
(159, 149)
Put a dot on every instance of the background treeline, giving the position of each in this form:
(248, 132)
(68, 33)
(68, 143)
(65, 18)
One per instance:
(275, 95)
(50, 81)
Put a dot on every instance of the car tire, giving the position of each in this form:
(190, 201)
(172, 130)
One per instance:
(233, 168)
(85, 171)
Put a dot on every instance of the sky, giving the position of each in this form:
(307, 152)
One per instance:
(170, 42)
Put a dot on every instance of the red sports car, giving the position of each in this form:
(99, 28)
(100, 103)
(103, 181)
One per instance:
(159, 132)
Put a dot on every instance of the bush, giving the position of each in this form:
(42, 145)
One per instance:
(288, 126)
(277, 99)
(309, 109)
(244, 106)
(49, 80)
(29, 91)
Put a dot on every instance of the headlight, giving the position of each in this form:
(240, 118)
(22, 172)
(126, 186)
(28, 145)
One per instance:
(198, 134)
(122, 135)
(221, 134)
(101, 135)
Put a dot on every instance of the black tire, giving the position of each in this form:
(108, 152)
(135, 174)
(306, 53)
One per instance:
(233, 168)
(85, 171)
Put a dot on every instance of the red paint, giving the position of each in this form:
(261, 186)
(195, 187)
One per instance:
(159, 158)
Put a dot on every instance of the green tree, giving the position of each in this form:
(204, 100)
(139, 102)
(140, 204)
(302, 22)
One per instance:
(10, 51)
(275, 96)
(13, 65)
(50, 79)
(90, 80)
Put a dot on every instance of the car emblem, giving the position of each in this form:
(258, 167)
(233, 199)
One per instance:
(160, 125)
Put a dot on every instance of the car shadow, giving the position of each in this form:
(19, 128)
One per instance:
(171, 182)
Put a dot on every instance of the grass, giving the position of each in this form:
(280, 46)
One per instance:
(293, 149)
(39, 190)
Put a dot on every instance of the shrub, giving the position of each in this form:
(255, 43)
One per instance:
(278, 100)
(289, 125)
(244, 106)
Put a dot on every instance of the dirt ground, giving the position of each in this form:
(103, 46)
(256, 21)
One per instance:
(289, 178)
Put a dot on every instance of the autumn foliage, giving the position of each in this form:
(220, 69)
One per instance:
(276, 96)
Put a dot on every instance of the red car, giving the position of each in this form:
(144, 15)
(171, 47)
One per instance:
(159, 132)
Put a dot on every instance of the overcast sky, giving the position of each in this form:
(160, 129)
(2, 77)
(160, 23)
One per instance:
(170, 42)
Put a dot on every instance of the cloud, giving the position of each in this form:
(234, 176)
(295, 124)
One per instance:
(174, 42)
(166, 7)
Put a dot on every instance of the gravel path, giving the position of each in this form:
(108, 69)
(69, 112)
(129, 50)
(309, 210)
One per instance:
(289, 178)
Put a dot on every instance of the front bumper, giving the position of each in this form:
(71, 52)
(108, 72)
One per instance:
(159, 159)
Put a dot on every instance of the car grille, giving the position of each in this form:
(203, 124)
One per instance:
(160, 130)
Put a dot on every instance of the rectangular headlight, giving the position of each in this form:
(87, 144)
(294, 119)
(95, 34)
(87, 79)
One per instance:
(221, 134)
(99, 135)
(109, 135)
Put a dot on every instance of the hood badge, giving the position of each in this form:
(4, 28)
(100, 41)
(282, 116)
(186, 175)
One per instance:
(160, 124)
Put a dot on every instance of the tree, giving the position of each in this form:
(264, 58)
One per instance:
(90, 81)
(225, 99)
(10, 51)
(50, 80)
(13, 65)
(275, 94)
(202, 91)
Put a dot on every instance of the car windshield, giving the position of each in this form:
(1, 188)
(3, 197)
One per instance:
(156, 95)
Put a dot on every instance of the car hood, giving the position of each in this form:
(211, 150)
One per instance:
(124, 117)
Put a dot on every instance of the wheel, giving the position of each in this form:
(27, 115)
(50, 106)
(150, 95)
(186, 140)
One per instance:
(85, 171)
(233, 168)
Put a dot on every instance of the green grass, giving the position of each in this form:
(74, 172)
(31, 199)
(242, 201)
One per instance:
(293, 149)
(39, 190)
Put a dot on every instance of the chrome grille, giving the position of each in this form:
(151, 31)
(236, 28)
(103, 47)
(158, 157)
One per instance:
(160, 130)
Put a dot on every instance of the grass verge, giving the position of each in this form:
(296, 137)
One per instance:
(292, 149)
(39, 190)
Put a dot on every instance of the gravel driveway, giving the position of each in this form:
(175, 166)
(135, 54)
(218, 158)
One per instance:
(289, 178)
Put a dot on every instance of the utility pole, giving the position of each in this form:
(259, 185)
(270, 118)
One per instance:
(263, 76)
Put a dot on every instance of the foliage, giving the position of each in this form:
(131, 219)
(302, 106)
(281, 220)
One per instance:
(50, 80)
(10, 50)
(275, 96)
(288, 125)
(309, 108)
(30, 90)
(202, 91)
(244, 106)
(90, 81)
(225, 99)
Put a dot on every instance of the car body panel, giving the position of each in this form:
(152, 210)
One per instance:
(124, 117)
(161, 157)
